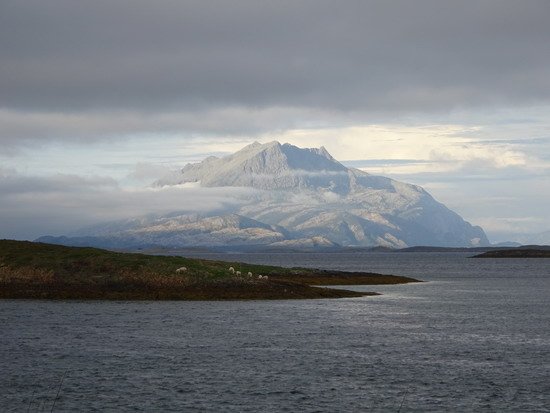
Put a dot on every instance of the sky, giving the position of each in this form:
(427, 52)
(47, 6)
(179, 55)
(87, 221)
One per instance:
(98, 99)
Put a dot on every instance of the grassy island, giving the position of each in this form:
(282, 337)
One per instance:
(45, 271)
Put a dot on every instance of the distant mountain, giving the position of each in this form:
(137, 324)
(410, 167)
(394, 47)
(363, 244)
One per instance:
(303, 198)
(542, 238)
(507, 244)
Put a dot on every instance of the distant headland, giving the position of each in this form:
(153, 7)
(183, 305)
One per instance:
(529, 252)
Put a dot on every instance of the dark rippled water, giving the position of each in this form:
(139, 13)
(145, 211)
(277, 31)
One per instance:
(476, 337)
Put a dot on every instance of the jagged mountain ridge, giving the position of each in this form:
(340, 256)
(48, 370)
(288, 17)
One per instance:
(271, 166)
(304, 197)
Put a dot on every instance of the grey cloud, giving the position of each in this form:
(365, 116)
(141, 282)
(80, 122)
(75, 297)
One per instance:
(62, 55)
(12, 183)
(18, 129)
(32, 206)
(145, 171)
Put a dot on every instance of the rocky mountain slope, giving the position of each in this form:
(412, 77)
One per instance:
(302, 197)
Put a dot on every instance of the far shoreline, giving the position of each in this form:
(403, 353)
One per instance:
(516, 253)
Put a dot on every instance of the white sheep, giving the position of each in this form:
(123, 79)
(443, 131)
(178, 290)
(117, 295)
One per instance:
(249, 274)
(232, 270)
(266, 277)
(238, 273)
(181, 269)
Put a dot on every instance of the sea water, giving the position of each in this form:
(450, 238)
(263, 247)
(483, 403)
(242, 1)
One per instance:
(474, 337)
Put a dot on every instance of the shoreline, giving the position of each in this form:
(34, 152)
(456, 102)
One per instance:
(210, 292)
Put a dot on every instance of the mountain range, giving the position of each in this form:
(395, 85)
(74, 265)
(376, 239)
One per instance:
(299, 198)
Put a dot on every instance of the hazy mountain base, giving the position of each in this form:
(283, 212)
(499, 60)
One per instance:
(541, 238)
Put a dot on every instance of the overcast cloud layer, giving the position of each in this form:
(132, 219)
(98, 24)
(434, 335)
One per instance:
(206, 56)
(453, 95)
